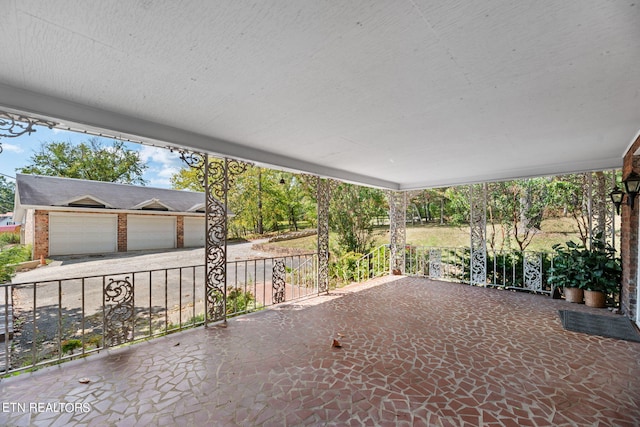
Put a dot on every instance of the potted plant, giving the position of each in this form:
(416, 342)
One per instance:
(591, 274)
(605, 273)
(565, 273)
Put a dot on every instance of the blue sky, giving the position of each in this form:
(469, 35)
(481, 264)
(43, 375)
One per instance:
(17, 152)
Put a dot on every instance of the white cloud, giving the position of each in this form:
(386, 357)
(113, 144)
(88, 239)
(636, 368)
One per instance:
(11, 147)
(162, 165)
(159, 155)
(168, 172)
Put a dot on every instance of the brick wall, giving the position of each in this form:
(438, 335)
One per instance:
(41, 234)
(180, 232)
(629, 239)
(122, 232)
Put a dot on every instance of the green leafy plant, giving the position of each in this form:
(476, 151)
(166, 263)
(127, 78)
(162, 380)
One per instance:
(239, 301)
(9, 238)
(345, 267)
(13, 255)
(68, 346)
(594, 269)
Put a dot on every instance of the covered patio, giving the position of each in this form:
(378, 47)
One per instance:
(395, 95)
(414, 352)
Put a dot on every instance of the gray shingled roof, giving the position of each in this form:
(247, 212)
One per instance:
(35, 190)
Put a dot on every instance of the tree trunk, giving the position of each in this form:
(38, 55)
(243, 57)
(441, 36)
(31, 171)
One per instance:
(260, 221)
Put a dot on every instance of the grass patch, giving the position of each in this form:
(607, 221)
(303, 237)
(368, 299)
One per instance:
(9, 239)
(12, 255)
(554, 230)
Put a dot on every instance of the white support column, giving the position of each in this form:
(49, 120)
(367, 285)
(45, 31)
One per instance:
(600, 209)
(323, 197)
(397, 230)
(478, 225)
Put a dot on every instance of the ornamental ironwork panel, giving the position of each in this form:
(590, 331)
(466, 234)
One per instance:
(532, 267)
(600, 211)
(15, 125)
(215, 176)
(397, 230)
(478, 225)
(119, 311)
(435, 263)
(278, 281)
(216, 240)
(323, 197)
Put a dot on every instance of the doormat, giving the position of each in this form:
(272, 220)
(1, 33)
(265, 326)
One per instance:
(618, 327)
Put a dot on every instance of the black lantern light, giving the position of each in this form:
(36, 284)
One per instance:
(632, 187)
(616, 197)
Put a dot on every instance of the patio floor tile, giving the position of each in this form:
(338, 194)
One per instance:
(415, 352)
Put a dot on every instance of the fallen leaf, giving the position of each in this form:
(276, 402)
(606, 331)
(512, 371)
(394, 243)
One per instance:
(84, 380)
(336, 344)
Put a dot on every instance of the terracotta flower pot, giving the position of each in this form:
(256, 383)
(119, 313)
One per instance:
(573, 295)
(595, 299)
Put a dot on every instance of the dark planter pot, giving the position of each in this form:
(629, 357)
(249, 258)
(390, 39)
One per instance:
(595, 299)
(573, 295)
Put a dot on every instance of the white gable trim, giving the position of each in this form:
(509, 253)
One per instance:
(86, 196)
(151, 202)
(197, 207)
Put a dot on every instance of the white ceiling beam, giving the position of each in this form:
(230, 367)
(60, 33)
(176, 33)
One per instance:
(73, 114)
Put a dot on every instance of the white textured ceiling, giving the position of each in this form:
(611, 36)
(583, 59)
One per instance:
(400, 94)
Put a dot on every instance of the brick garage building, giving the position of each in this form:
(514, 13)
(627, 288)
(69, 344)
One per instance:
(64, 216)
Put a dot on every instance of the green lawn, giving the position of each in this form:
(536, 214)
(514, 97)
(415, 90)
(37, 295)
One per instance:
(554, 230)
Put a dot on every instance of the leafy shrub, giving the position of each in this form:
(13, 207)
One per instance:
(239, 301)
(594, 269)
(68, 346)
(12, 255)
(9, 238)
(345, 268)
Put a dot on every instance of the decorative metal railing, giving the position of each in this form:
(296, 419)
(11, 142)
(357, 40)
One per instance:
(52, 321)
(527, 271)
(374, 264)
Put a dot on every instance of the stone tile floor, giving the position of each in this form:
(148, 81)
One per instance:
(414, 352)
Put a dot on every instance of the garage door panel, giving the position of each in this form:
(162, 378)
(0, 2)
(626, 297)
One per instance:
(150, 232)
(74, 234)
(194, 232)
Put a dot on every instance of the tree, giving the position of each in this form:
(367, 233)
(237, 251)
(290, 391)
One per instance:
(430, 203)
(88, 160)
(530, 197)
(7, 195)
(352, 211)
(515, 210)
(260, 199)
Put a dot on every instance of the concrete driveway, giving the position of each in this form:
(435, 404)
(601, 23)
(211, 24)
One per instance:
(67, 267)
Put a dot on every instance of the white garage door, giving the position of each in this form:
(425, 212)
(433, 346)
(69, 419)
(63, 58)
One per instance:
(150, 232)
(74, 234)
(194, 232)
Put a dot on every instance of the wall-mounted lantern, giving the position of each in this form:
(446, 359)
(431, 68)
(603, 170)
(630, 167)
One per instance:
(632, 188)
(616, 197)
